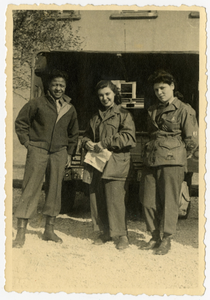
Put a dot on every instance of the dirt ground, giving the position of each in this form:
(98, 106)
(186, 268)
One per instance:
(79, 266)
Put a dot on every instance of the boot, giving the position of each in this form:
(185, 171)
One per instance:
(102, 239)
(154, 242)
(21, 230)
(165, 246)
(49, 234)
(122, 242)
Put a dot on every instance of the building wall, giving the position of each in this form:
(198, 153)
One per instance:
(19, 153)
(170, 31)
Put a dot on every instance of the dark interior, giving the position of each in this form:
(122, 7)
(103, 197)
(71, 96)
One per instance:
(85, 69)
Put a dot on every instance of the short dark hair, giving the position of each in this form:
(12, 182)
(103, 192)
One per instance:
(108, 83)
(161, 76)
(165, 77)
(57, 73)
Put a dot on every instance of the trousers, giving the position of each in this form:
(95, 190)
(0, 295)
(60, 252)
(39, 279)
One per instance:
(160, 189)
(39, 164)
(107, 203)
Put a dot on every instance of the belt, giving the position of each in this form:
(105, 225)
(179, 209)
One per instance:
(159, 134)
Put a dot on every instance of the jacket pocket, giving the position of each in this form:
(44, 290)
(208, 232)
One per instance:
(113, 122)
(170, 150)
(118, 166)
(111, 127)
(170, 143)
(171, 125)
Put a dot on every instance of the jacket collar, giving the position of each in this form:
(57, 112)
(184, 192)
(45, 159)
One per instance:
(66, 98)
(110, 113)
(51, 98)
(175, 104)
(116, 108)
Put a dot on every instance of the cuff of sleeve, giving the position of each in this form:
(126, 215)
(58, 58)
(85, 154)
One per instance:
(84, 141)
(69, 152)
(103, 144)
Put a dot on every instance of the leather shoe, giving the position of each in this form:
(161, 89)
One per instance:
(122, 243)
(102, 239)
(165, 246)
(49, 234)
(21, 230)
(152, 244)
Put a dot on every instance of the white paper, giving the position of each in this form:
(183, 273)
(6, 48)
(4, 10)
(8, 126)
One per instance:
(97, 160)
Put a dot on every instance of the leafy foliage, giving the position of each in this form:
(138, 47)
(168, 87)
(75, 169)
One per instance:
(35, 30)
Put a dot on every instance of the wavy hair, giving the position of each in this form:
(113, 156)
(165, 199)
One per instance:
(165, 77)
(107, 83)
(57, 73)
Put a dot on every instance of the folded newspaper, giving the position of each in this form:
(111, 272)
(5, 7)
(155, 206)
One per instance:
(97, 160)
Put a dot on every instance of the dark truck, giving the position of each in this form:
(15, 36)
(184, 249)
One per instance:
(130, 71)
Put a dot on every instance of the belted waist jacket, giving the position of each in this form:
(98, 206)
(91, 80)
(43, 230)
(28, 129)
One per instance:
(173, 134)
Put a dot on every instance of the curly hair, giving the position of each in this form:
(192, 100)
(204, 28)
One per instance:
(107, 83)
(165, 77)
(57, 73)
(161, 76)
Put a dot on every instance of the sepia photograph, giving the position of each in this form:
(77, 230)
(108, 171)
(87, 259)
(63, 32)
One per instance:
(105, 189)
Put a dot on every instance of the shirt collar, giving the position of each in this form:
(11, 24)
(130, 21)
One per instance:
(114, 109)
(105, 111)
(62, 99)
(175, 102)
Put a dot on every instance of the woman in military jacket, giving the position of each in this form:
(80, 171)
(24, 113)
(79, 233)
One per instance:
(173, 131)
(111, 128)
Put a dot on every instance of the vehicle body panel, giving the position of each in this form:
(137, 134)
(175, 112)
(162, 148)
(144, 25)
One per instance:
(125, 48)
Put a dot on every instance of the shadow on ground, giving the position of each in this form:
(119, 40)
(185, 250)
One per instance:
(78, 223)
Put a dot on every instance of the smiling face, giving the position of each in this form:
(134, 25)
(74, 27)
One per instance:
(106, 97)
(164, 91)
(57, 87)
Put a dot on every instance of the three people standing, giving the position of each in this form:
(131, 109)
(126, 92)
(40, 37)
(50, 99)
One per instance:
(48, 128)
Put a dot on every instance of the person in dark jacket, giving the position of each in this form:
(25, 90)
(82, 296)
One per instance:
(47, 126)
(173, 130)
(111, 128)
